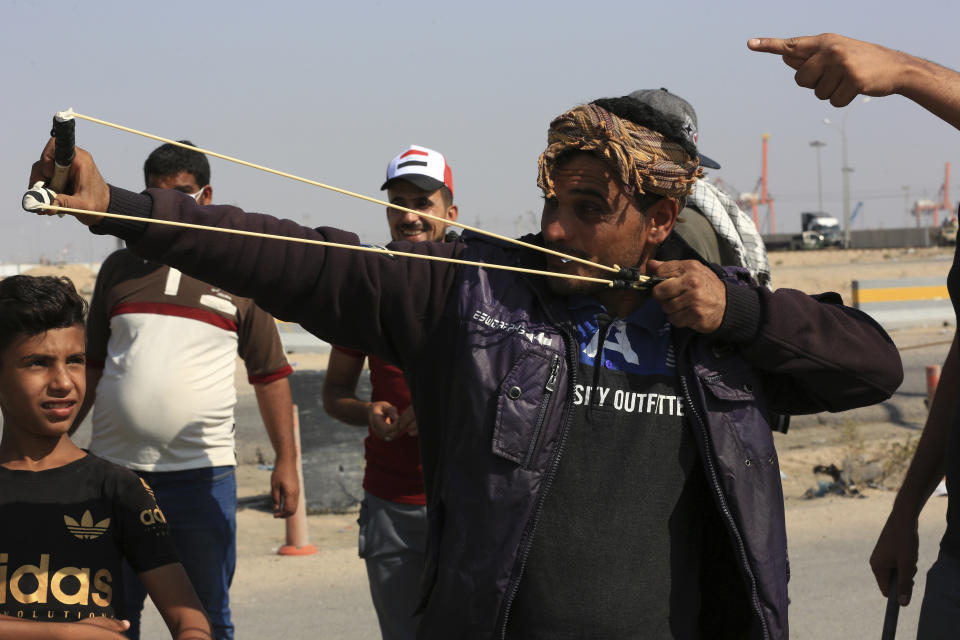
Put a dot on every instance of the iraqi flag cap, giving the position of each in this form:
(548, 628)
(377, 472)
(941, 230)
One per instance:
(422, 167)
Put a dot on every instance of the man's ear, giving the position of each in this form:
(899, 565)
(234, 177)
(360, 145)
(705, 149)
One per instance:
(207, 196)
(661, 217)
(452, 212)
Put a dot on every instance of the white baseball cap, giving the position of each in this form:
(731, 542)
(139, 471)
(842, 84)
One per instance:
(422, 167)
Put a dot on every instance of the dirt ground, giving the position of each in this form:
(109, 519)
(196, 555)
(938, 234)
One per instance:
(799, 452)
(809, 271)
(81, 275)
(835, 269)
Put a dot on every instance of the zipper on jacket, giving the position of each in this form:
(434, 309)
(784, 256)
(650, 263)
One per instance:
(725, 510)
(548, 390)
(547, 482)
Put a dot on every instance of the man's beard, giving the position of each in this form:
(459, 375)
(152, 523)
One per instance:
(564, 286)
(572, 287)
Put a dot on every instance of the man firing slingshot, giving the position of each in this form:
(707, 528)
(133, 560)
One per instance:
(598, 462)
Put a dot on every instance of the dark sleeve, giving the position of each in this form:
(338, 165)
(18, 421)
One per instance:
(383, 305)
(822, 355)
(145, 535)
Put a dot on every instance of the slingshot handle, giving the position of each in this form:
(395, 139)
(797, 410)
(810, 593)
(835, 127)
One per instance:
(64, 149)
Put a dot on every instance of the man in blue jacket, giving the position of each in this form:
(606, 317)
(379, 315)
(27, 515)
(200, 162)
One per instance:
(598, 461)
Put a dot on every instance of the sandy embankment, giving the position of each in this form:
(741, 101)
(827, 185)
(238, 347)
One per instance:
(834, 270)
(801, 449)
(810, 271)
(81, 275)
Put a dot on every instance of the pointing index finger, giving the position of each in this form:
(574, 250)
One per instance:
(799, 47)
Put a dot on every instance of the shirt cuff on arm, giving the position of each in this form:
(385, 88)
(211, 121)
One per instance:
(741, 319)
(127, 203)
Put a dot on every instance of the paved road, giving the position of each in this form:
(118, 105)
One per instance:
(832, 591)
(906, 407)
(833, 595)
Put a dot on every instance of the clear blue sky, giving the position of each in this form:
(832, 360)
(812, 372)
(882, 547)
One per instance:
(331, 91)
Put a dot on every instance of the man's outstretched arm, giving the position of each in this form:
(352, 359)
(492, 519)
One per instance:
(839, 69)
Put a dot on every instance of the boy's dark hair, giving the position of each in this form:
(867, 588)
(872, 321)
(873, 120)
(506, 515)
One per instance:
(169, 159)
(31, 305)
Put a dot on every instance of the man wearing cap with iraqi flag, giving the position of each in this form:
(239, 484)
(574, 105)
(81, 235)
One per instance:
(393, 514)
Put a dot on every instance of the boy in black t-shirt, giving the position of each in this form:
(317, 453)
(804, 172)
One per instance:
(67, 518)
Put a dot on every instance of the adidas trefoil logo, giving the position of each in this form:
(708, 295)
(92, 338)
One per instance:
(149, 490)
(86, 529)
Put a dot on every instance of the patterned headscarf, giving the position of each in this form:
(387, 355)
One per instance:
(644, 159)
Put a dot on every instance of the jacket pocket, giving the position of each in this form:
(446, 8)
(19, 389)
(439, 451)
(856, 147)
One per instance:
(736, 395)
(523, 406)
(730, 387)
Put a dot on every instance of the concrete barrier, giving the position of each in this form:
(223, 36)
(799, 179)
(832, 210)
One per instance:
(15, 269)
(902, 303)
(891, 238)
(296, 338)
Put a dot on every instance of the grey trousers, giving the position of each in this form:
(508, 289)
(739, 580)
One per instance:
(393, 538)
(940, 611)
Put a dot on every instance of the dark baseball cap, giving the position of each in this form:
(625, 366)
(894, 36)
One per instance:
(676, 108)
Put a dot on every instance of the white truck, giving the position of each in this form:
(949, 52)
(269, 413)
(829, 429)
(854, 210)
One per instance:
(827, 226)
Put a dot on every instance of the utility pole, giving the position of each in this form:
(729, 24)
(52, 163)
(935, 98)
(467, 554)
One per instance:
(817, 144)
(846, 169)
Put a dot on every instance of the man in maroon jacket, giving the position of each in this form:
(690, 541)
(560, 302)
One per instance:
(393, 515)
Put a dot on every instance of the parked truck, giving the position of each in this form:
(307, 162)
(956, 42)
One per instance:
(827, 226)
(947, 233)
(819, 230)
